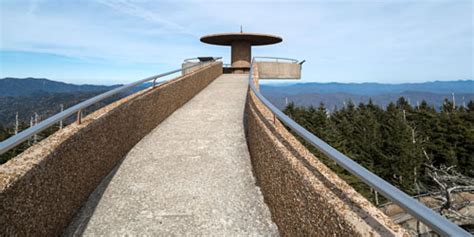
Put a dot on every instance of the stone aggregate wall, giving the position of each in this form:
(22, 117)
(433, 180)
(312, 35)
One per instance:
(42, 188)
(279, 70)
(304, 196)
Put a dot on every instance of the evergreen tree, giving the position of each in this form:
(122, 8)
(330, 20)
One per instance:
(393, 142)
(466, 159)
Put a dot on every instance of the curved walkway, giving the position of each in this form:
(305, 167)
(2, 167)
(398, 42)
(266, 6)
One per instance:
(190, 176)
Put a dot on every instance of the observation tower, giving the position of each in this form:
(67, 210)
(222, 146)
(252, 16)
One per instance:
(241, 46)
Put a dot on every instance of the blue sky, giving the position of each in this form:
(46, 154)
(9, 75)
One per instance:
(115, 41)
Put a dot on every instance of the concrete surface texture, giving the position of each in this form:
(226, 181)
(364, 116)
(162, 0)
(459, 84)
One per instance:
(241, 54)
(190, 176)
(42, 188)
(252, 38)
(304, 196)
(279, 70)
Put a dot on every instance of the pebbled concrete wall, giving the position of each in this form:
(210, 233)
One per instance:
(304, 196)
(189, 70)
(42, 188)
(279, 70)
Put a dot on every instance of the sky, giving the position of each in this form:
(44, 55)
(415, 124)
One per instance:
(120, 41)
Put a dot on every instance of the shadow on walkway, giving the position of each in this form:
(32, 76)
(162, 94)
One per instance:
(78, 224)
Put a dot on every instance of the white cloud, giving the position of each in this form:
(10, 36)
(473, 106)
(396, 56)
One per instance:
(104, 35)
(341, 40)
(135, 10)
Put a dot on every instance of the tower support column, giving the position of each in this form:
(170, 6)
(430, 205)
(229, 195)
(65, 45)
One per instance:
(241, 54)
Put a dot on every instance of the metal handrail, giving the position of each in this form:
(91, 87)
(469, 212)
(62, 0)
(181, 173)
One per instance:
(276, 58)
(432, 219)
(197, 59)
(22, 136)
(191, 59)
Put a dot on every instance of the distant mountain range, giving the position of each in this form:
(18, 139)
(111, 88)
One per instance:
(31, 95)
(461, 86)
(337, 94)
(29, 86)
(28, 96)
(43, 96)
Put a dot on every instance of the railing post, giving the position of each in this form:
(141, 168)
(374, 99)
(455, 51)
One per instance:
(35, 137)
(79, 117)
(61, 121)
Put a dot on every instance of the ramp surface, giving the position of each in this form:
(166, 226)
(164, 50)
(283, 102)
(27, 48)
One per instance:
(190, 176)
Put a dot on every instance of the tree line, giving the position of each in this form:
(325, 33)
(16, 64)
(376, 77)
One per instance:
(398, 143)
(6, 132)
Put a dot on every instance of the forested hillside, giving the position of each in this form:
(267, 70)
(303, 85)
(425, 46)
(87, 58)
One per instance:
(402, 144)
(43, 104)
(37, 99)
(45, 97)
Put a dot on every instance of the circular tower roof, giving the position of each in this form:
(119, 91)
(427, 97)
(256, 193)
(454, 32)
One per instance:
(228, 38)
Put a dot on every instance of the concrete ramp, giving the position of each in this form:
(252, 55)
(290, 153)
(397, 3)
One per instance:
(190, 176)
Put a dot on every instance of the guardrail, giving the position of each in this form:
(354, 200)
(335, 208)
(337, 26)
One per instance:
(277, 59)
(432, 219)
(15, 140)
(200, 59)
(193, 60)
